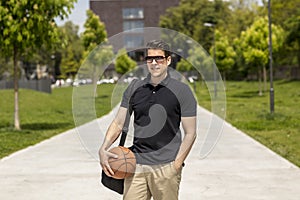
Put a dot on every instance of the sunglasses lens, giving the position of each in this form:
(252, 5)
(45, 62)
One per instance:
(161, 59)
(158, 59)
(149, 60)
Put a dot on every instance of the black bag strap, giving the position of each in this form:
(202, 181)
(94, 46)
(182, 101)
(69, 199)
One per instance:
(125, 128)
(127, 119)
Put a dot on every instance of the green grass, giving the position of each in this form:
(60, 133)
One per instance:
(42, 115)
(250, 113)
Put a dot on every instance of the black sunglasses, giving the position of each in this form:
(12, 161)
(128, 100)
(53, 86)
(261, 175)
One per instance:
(158, 59)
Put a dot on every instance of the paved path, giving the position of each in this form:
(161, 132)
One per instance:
(238, 168)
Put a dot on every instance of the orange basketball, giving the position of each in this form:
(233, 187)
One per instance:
(124, 165)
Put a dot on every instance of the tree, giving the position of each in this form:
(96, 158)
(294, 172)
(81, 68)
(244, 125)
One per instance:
(184, 66)
(285, 14)
(189, 18)
(198, 59)
(123, 62)
(225, 54)
(94, 33)
(72, 50)
(282, 11)
(243, 14)
(28, 25)
(98, 53)
(293, 37)
(254, 43)
(6, 68)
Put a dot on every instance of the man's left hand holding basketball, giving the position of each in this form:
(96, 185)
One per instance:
(112, 134)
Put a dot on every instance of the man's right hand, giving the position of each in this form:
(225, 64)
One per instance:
(104, 156)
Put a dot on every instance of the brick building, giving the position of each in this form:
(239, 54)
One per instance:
(124, 15)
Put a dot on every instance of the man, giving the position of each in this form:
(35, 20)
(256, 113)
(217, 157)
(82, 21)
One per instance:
(159, 104)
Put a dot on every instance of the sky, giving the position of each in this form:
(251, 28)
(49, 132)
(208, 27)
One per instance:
(78, 15)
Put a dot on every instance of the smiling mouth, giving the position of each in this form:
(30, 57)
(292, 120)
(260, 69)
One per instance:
(155, 68)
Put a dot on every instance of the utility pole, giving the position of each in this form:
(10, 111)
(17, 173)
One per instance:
(214, 58)
(271, 59)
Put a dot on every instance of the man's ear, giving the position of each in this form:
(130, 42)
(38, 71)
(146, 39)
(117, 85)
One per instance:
(169, 60)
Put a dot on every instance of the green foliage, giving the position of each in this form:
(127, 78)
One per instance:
(30, 23)
(294, 31)
(98, 54)
(283, 11)
(250, 113)
(231, 19)
(189, 18)
(199, 59)
(254, 42)
(225, 54)
(183, 66)
(283, 14)
(243, 14)
(123, 62)
(254, 47)
(6, 69)
(96, 62)
(72, 50)
(94, 33)
(293, 36)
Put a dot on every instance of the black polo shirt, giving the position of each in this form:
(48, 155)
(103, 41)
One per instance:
(157, 116)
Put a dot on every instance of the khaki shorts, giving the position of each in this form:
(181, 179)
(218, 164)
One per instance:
(158, 181)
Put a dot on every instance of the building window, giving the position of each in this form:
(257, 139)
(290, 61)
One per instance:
(128, 25)
(133, 41)
(133, 13)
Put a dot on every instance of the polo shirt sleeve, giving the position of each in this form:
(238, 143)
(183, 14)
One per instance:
(127, 94)
(188, 102)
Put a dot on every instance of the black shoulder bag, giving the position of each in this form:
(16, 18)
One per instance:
(117, 185)
(113, 184)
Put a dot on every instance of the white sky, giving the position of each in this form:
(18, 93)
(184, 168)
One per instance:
(78, 15)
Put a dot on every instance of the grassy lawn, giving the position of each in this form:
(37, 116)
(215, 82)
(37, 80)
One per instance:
(42, 115)
(250, 113)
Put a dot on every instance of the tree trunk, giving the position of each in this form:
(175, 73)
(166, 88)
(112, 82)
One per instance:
(298, 53)
(16, 90)
(265, 78)
(95, 78)
(260, 93)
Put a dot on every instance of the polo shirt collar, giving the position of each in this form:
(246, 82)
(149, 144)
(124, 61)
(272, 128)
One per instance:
(164, 82)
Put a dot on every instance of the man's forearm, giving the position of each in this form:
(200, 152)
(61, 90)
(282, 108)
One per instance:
(189, 127)
(112, 134)
(185, 147)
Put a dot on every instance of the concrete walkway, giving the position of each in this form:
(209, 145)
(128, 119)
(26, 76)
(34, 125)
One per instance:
(66, 167)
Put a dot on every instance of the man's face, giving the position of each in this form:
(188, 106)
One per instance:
(157, 62)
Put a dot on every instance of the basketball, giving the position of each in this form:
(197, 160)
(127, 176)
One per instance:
(124, 165)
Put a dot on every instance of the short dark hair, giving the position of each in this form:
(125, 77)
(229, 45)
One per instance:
(159, 44)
